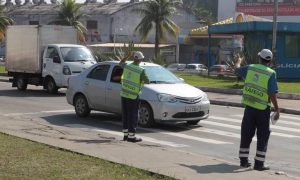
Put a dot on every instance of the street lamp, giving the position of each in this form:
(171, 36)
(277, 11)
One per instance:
(274, 30)
(121, 29)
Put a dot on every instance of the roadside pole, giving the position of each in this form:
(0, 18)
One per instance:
(274, 37)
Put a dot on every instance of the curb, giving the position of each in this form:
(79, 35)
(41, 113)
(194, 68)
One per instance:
(234, 104)
(239, 92)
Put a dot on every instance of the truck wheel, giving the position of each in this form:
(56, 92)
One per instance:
(81, 106)
(51, 86)
(145, 117)
(193, 122)
(21, 83)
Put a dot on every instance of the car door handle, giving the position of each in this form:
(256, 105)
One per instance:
(109, 88)
(86, 83)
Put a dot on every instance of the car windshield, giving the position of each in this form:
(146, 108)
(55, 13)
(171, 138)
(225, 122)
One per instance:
(160, 75)
(71, 54)
(191, 66)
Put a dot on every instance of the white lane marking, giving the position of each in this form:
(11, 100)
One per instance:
(206, 140)
(279, 122)
(152, 140)
(239, 121)
(39, 112)
(238, 128)
(290, 117)
(218, 132)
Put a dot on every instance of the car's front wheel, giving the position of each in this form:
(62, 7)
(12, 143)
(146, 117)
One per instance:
(51, 86)
(81, 106)
(145, 115)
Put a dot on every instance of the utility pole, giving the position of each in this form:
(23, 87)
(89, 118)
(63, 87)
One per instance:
(274, 37)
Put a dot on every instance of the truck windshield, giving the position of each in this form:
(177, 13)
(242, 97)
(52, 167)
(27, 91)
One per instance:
(72, 54)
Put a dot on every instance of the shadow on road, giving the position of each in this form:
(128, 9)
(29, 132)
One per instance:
(216, 168)
(30, 93)
(109, 121)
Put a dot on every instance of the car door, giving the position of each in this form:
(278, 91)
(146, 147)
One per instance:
(54, 69)
(113, 90)
(95, 86)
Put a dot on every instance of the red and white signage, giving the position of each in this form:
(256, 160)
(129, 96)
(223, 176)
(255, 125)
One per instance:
(266, 9)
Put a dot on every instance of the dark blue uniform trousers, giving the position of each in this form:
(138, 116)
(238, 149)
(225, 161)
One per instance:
(259, 121)
(130, 109)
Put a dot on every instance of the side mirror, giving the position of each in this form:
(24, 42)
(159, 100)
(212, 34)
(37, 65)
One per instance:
(56, 59)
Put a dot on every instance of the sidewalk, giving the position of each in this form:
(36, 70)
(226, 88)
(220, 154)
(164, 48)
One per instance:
(145, 155)
(288, 106)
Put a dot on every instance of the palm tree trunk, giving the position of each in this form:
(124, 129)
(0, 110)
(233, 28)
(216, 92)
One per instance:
(156, 50)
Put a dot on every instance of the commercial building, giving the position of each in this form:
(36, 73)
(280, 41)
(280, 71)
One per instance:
(288, 10)
(110, 22)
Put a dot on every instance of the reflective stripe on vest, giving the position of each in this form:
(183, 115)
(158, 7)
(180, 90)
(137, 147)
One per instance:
(131, 81)
(255, 92)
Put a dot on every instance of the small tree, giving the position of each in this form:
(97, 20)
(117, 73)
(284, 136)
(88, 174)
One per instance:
(4, 22)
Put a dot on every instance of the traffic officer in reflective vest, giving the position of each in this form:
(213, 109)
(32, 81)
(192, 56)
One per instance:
(259, 89)
(132, 80)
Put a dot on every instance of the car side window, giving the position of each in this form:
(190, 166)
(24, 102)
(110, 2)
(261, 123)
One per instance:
(116, 74)
(51, 52)
(100, 72)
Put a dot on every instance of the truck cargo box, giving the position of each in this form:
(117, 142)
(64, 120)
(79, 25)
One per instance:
(25, 44)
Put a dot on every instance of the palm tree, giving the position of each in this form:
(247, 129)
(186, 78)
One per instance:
(69, 15)
(157, 13)
(4, 22)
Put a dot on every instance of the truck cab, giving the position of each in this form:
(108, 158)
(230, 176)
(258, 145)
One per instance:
(60, 61)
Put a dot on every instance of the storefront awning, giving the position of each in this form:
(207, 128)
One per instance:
(119, 45)
(203, 31)
(239, 17)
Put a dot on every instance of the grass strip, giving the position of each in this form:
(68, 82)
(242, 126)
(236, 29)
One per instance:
(24, 159)
(232, 83)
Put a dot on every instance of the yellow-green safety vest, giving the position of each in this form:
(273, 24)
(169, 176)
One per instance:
(131, 81)
(255, 92)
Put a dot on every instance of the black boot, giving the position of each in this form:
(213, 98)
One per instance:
(134, 139)
(261, 167)
(245, 164)
(125, 138)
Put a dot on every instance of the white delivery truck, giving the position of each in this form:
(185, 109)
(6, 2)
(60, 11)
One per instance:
(44, 55)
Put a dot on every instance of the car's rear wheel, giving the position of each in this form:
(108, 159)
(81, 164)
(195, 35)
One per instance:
(21, 83)
(145, 115)
(193, 122)
(81, 105)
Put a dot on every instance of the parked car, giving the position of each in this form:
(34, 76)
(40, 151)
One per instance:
(166, 99)
(196, 68)
(176, 67)
(221, 70)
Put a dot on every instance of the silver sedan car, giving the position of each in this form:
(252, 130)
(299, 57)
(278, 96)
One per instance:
(166, 99)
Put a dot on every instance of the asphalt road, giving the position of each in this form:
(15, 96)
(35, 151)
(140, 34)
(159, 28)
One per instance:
(218, 136)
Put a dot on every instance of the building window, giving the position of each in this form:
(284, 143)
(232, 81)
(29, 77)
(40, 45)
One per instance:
(292, 46)
(91, 25)
(34, 23)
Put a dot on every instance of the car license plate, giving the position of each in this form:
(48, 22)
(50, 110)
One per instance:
(190, 109)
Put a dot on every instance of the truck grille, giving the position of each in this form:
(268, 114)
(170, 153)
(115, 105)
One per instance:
(189, 100)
